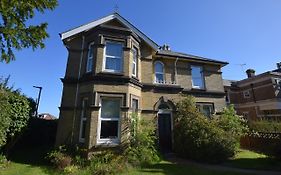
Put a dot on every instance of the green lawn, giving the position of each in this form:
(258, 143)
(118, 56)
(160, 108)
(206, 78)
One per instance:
(167, 168)
(29, 162)
(251, 160)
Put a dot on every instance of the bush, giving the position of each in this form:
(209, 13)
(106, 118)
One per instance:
(141, 150)
(203, 139)
(3, 161)
(107, 162)
(265, 126)
(59, 158)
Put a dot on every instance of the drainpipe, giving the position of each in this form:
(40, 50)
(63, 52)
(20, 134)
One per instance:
(176, 72)
(77, 89)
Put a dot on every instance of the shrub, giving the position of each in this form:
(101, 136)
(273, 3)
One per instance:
(71, 169)
(200, 138)
(107, 162)
(265, 126)
(141, 150)
(59, 158)
(3, 161)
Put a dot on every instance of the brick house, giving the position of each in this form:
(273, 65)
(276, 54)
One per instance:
(114, 69)
(258, 96)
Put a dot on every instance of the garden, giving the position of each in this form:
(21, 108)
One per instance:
(201, 146)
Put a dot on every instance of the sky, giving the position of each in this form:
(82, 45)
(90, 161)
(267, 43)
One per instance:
(237, 31)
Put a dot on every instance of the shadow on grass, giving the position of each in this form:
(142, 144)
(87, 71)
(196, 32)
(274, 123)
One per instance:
(177, 169)
(265, 163)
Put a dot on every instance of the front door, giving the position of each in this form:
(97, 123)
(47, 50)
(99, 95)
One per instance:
(165, 134)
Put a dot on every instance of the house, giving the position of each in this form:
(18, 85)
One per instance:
(257, 97)
(114, 69)
(47, 116)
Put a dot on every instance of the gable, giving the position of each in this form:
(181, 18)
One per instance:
(115, 23)
(113, 19)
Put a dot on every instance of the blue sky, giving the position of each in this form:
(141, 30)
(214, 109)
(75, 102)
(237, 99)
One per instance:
(238, 31)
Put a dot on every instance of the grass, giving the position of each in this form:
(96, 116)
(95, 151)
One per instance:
(251, 160)
(168, 168)
(31, 161)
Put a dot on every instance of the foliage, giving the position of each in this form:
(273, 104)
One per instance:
(265, 126)
(14, 32)
(72, 169)
(59, 158)
(142, 149)
(107, 162)
(200, 138)
(3, 161)
(14, 113)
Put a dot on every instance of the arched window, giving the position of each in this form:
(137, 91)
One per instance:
(159, 72)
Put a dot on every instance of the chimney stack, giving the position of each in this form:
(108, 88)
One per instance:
(278, 65)
(166, 47)
(250, 73)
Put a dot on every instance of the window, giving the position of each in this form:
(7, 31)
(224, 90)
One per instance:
(197, 77)
(246, 94)
(135, 62)
(90, 57)
(109, 120)
(83, 120)
(206, 108)
(113, 56)
(159, 72)
(277, 82)
(135, 105)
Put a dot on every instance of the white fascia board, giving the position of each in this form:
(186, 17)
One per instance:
(86, 27)
(93, 24)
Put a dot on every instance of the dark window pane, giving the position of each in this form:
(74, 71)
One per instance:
(110, 108)
(109, 130)
(135, 105)
(83, 129)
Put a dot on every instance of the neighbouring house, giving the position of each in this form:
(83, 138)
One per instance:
(46, 116)
(257, 97)
(114, 70)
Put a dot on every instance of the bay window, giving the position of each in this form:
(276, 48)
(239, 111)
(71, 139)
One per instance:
(113, 61)
(135, 62)
(109, 120)
(197, 77)
(83, 120)
(89, 66)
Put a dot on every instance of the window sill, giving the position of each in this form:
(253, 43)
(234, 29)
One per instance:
(198, 89)
(108, 143)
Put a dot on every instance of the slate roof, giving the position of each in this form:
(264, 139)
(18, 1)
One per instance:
(188, 56)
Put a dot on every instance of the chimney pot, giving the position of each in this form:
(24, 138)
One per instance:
(250, 73)
(278, 65)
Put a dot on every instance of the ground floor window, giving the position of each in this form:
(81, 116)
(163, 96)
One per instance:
(109, 120)
(83, 120)
(206, 108)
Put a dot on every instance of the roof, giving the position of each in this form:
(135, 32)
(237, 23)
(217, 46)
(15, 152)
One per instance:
(188, 56)
(228, 82)
(105, 19)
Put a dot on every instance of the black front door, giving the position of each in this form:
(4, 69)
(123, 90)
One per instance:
(165, 134)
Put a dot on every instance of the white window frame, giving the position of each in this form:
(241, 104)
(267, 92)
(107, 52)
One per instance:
(135, 62)
(89, 65)
(109, 141)
(202, 77)
(162, 73)
(115, 57)
(246, 94)
(83, 118)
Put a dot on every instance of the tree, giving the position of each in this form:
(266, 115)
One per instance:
(15, 33)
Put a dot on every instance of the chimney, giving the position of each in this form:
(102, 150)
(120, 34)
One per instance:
(166, 47)
(278, 65)
(250, 73)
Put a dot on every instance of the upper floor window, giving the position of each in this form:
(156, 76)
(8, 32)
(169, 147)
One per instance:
(113, 56)
(135, 62)
(197, 77)
(159, 72)
(89, 66)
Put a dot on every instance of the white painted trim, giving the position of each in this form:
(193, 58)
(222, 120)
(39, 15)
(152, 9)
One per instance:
(83, 117)
(163, 73)
(100, 21)
(121, 58)
(135, 63)
(202, 77)
(107, 142)
(90, 58)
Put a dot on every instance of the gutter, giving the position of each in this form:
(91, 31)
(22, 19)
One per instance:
(77, 89)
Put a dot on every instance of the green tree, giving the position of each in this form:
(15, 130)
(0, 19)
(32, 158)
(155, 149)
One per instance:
(14, 31)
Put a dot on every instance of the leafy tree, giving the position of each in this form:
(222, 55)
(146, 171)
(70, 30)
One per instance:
(14, 114)
(14, 32)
